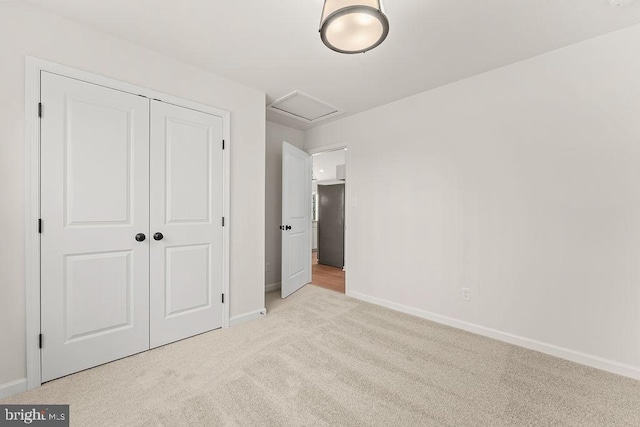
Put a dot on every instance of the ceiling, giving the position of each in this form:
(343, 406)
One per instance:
(324, 165)
(274, 45)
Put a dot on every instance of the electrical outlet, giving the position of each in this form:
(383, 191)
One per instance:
(466, 294)
(268, 267)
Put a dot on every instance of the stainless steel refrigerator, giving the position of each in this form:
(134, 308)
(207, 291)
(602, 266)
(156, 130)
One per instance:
(331, 225)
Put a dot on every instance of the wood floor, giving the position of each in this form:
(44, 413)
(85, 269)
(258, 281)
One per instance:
(326, 276)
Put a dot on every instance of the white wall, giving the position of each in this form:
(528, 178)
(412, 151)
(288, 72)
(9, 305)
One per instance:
(522, 184)
(276, 134)
(25, 30)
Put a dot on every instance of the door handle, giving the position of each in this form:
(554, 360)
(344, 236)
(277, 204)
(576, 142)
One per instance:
(288, 227)
(157, 236)
(140, 237)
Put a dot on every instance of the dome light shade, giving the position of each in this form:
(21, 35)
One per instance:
(353, 26)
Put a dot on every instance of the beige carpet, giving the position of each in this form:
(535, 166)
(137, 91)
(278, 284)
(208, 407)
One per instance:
(320, 357)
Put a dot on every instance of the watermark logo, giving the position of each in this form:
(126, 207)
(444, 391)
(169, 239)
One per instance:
(38, 415)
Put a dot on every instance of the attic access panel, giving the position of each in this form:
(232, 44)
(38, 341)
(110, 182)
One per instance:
(303, 107)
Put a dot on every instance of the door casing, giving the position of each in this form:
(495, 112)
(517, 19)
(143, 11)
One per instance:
(33, 68)
(349, 202)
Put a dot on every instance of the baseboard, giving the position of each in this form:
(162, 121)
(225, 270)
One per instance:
(12, 388)
(236, 320)
(273, 287)
(550, 349)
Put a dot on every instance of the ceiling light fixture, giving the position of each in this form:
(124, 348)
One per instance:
(353, 26)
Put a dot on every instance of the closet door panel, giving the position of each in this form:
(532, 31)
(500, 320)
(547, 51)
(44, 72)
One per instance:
(186, 220)
(94, 201)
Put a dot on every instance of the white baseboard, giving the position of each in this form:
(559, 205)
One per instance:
(236, 320)
(273, 287)
(553, 350)
(12, 388)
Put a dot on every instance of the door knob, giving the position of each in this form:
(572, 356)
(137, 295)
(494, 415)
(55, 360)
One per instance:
(288, 227)
(140, 237)
(157, 236)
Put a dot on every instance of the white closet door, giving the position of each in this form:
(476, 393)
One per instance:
(94, 186)
(186, 223)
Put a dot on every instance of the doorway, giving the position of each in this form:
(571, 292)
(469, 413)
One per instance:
(328, 220)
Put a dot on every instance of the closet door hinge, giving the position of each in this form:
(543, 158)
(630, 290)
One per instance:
(40, 225)
(40, 341)
(223, 221)
(223, 144)
(223, 298)
(39, 109)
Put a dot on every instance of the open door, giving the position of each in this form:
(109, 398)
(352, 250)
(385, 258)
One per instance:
(296, 219)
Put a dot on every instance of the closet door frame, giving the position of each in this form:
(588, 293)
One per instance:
(33, 69)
